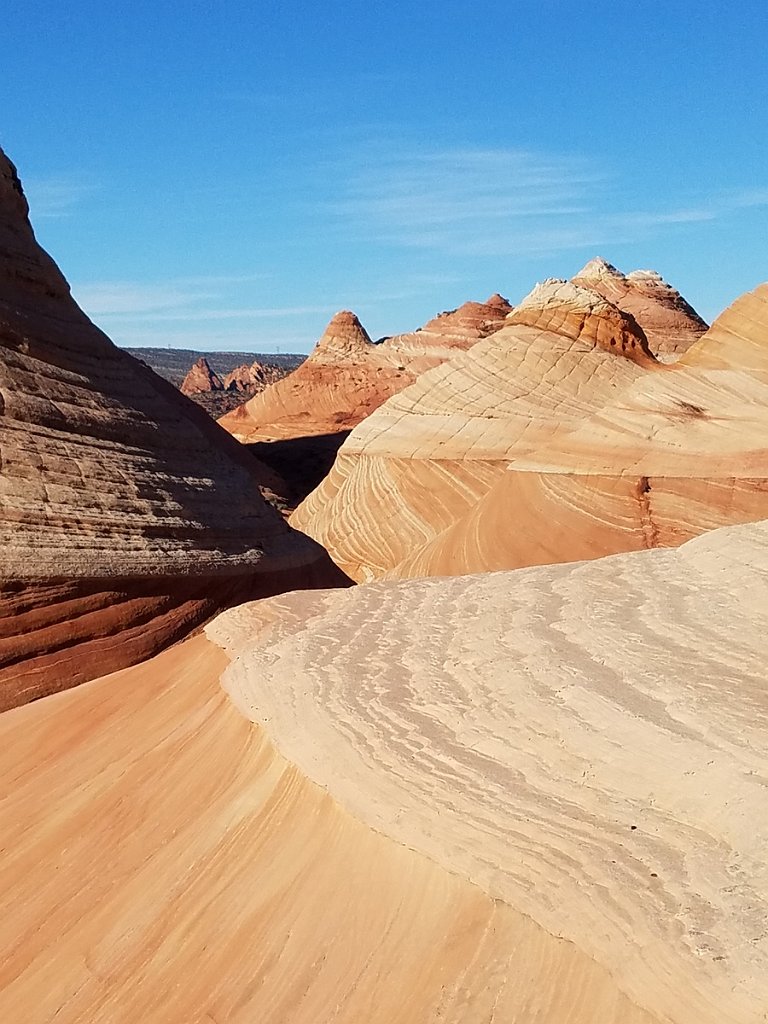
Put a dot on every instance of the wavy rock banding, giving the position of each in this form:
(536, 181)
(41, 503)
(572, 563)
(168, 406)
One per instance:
(127, 516)
(670, 323)
(559, 437)
(584, 742)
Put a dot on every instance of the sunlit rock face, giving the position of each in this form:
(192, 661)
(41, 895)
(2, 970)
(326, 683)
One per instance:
(559, 437)
(670, 323)
(347, 376)
(127, 515)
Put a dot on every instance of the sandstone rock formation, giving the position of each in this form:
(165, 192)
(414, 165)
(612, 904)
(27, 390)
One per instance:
(298, 424)
(559, 437)
(127, 515)
(669, 322)
(347, 376)
(201, 378)
(246, 378)
(533, 797)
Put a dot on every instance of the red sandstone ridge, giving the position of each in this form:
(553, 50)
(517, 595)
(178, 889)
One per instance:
(201, 378)
(670, 323)
(127, 515)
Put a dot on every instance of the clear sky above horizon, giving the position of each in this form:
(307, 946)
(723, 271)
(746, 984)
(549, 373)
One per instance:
(228, 176)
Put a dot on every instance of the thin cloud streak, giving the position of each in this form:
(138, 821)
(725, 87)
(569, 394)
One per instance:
(504, 202)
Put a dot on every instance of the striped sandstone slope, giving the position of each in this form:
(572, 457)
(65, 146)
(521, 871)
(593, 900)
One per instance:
(346, 377)
(651, 462)
(680, 452)
(584, 742)
(670, 323)
(426, 457)
(164, 863)
(114, 535)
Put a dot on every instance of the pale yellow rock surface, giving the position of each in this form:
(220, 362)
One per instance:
(584, 742)
(162, 863)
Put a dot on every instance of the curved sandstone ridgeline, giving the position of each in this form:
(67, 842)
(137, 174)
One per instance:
(124, 510)
(558, 438)
(164, 863)
(584, 742)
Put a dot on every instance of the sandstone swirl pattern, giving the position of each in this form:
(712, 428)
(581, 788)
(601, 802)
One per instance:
(670, 323)
(583, 742)
(557, 438)
(126, 515)
(163, 863)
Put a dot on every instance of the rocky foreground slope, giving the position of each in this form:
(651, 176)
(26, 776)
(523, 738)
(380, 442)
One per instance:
(558, 437)
(127, 516)
(533, 796)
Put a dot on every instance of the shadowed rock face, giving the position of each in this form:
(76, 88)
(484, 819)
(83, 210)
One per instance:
(119, 496)
(559, 437)
(670, 323)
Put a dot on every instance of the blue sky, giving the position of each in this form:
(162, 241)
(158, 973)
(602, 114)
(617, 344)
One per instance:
(226, 176)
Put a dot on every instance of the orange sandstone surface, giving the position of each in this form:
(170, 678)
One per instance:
(126, 515)
(533, 796)
(347, 376)
(559, 437)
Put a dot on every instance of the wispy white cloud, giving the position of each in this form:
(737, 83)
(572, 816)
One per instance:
(56, 197)
(497, 201)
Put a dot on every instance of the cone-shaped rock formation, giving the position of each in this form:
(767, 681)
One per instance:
(127, 515)
(201, 379)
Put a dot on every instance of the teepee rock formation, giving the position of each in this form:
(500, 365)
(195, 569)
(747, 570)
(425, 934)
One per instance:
(245, 377)
(201, 379)
(670, 323)
(127, 515)
(559, 437)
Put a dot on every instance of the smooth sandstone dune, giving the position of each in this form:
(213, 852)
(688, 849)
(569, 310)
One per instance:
(553, 440)
(126, 515)
(164, 863)
(584, 742)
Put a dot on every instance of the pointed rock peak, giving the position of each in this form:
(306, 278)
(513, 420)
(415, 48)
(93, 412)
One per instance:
(574, 311)
(498, 301)
(344, 340)
(598, 269)
(201, 378)
(27, 272)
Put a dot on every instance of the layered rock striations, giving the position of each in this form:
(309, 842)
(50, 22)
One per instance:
(560, 437)
(584, 741)
(670, 323)
(126, 515)
(533, 796)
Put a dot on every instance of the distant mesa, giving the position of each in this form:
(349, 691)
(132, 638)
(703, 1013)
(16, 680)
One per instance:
(127, 517)
(559, 437)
